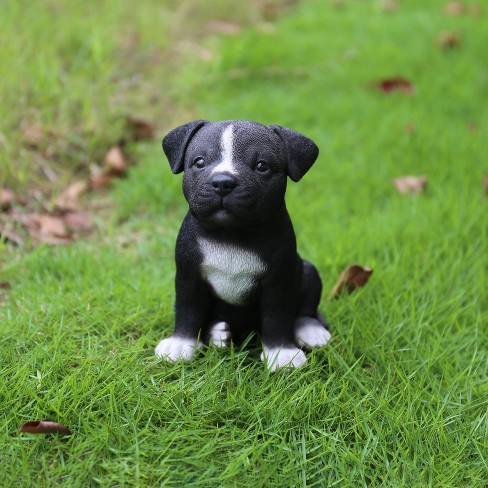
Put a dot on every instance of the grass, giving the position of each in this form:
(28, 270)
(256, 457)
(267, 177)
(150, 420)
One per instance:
(76, 72)
(399, 398)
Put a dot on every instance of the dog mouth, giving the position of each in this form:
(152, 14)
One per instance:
(222, 215)
(238, 209)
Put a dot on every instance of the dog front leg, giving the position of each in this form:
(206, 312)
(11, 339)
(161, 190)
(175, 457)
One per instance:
(277, 316)
(191, 316)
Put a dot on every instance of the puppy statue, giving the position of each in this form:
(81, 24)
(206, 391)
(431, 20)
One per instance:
(237, 267)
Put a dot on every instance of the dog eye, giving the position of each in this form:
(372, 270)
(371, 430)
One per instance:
(199, 162)
(262, 166)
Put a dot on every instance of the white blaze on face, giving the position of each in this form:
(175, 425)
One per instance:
(226, 164)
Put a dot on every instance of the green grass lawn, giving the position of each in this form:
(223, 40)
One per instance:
(398, 398)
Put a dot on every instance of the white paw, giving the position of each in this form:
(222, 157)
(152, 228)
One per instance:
(220, 335)
(175, 348)
(310, 333)
(282, 357)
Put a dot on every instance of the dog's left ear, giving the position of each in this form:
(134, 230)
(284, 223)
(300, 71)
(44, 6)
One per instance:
(176, 142)
(301, 151)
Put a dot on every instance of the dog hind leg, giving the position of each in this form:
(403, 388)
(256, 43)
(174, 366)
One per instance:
(310, 327)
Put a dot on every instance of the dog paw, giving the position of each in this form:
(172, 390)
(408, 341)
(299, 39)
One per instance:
(175, 348)
(220, 335)
(282, 357)
(310, 333)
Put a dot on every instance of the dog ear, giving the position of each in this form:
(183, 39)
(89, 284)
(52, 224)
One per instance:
(176, 142)
(301, 151)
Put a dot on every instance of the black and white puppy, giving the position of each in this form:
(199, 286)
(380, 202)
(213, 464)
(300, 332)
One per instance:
(237, 267)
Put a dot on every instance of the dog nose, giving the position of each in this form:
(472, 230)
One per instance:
(223, 184)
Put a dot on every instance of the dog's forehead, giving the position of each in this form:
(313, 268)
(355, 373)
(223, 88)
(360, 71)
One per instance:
(243, 134)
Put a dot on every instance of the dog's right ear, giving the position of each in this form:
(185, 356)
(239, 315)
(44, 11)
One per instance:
(176, 142)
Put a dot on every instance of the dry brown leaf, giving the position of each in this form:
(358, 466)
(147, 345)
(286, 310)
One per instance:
(140, 129)
(354, 276)
(46, 228)
(390, 85)
(485, 184)
(78, 221)
(449, 40)
(454, 8)
(266, 28)
(389, 6)
(45, 426)
(474, 10)
(224, 27)
(49, 224)
(4, 297)
(269, 10)
(410, 184)
(338, 4)
(7, 197)
(115, 160)
(202, 52)
(116, 166)
(410, 128)
(68, 200)
(31, 134)
(103, 180)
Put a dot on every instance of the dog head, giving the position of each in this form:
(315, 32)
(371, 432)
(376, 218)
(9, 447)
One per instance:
(236, 171)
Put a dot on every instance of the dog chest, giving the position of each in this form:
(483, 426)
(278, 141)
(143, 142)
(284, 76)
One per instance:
(231, 271)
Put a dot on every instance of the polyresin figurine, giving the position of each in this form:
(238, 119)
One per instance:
(237, 267)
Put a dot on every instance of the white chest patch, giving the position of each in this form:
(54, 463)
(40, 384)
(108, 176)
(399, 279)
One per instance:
(231, 271)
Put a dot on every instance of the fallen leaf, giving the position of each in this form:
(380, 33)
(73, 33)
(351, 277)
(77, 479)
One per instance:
(115, 160)
(398, 84)
(104, 179)
(354, 276)
(7, 197)
(224, 27)
(31, 133)
(389, 5)
(68, 200)
(45, 426)
(49, 224)
(410, 184)
(140, 129)
(485, 184)
(269, 10)
(4, 297)
(410, 128)
(78, 221)
(449, 40)
(458, 8)
(187, 47)
(338, 4)
(474, 10)
(115, 164)
(266, 28)
(454, 8)
(45, 228)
